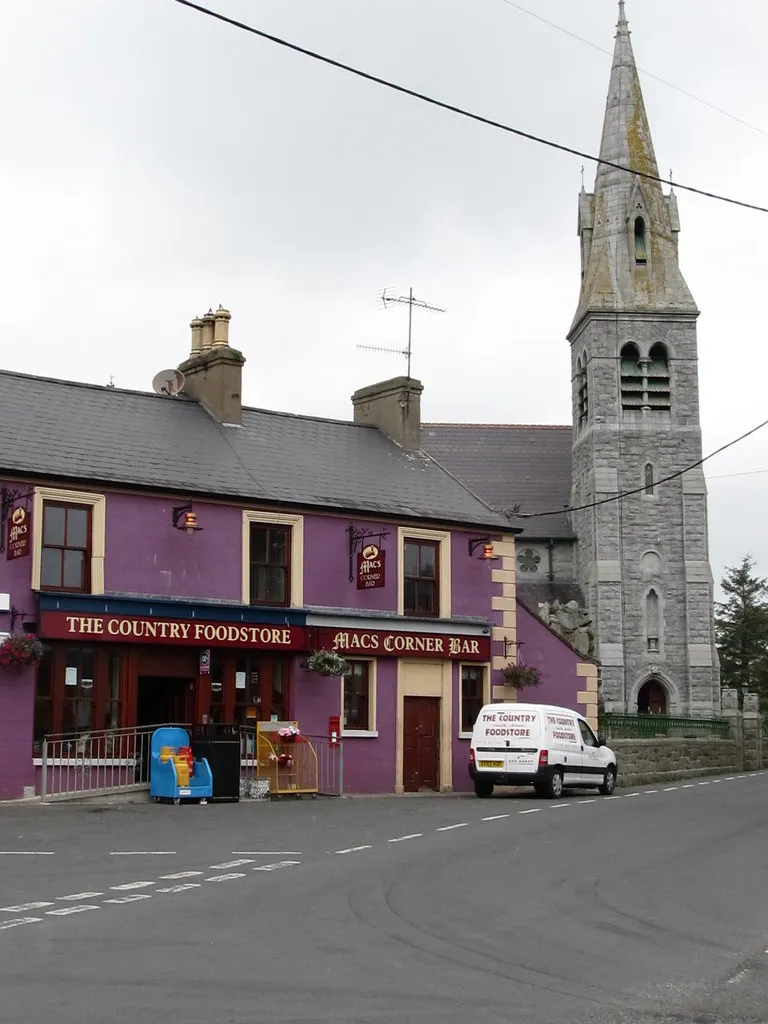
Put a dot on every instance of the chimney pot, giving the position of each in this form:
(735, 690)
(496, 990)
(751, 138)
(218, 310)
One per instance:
(197, 335)
(208, 327)
(221, 327)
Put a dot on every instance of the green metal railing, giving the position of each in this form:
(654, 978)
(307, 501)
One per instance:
(646, 727)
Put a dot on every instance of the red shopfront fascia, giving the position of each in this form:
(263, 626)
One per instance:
(251, 636)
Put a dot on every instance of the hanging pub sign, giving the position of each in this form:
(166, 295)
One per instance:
(370, 568)
(19, 534)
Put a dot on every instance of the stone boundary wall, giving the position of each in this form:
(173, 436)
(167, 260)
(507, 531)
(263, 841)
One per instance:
(664, 760)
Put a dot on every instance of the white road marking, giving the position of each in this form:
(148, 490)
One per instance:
(495, 817)
(26, 853)
(704, 783)
(649, 791)
(182, 874)
(132, 885)
(20, 908)
(449, 828)
(226, 878)
(266, 853)
(554, 807)
(402, 839)
(132, 898)
(79, 909)
(671, 789)
(632, 794)
(19, 920)
(81, 896)
(180, 888)
(142, 853)
(230, 864)
(611, 798)
(730, 778)
(350, 849)
(689, 785)
(532, 810)
(593, 801)
(291, 863)
(715, 781)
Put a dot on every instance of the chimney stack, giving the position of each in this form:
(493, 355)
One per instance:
(394, 406)
(213, 373)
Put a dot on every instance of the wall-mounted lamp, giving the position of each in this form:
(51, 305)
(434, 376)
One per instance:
(184, 518)
(487, 555)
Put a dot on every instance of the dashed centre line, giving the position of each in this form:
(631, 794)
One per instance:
(290, 863)
(231, 864)
(20, 908)
(649, 791)
(182, 874)
(81, 896)
(495, 817)
(350, 849)
(402, 839)
(79, 909)
(671, 789)
(17, 921)
(182, 887)
(449, 828)
(592, 801)
(532, 810)
(132, 885)
(226, 878)
(132, 898)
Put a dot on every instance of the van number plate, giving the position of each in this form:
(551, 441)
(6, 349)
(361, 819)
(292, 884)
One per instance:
(491, 764)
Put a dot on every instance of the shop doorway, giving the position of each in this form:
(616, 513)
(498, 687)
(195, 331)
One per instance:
(163, 699)
(421, 743)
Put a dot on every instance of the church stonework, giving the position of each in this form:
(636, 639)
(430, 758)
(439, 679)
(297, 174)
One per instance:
(641, 561)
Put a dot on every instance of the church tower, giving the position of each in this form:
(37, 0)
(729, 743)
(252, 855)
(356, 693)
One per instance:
(642, 560)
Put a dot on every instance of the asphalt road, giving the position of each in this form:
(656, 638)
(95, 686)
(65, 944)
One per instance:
(650, 906)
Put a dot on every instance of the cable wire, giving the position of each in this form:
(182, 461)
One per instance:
(514, 514)
(648, 74)
(461, 111)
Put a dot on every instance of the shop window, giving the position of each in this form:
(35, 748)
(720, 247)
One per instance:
(77, 709)
(270, 564)
(472, 694)
(261, 689)
(421, 577)
(217, 686)
(112, 696)
(358, 697)
(43, 722)
(65, 558)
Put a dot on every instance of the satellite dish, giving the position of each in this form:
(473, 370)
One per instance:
(168, 382)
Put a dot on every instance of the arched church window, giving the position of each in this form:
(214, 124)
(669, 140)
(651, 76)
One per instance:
(631, 378)
(648, 475)
(641, 252)
(658, 387)
(582, 391)
(652, 624)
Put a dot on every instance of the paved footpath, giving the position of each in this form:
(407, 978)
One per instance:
(648, 906)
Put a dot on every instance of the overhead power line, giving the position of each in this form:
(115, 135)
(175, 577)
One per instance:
(636, 490)
(648, 74)
(460, 110)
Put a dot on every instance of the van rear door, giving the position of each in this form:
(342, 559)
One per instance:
(506, 740)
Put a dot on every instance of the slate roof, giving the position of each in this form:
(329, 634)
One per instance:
(509, 465)
(62, 429)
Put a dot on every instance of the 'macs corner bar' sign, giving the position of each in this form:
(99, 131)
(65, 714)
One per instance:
(200, 633)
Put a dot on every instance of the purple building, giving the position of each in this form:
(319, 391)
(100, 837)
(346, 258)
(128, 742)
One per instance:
(181, 557)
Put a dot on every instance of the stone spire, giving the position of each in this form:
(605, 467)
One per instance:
(628, 227)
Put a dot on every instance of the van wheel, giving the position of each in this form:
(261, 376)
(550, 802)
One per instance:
(555, 785)
(609, 781)
(483, 788)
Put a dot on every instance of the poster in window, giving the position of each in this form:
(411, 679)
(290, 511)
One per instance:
(370, 568)
(239, 680)
(70, 675)
(19, 534)
(205, 663)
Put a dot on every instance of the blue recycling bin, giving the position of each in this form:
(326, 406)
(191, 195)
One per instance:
(163, 780)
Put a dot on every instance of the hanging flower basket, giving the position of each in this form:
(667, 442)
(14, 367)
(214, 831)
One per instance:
(288, 733)
(327, 663)
(521, 676)
(19, 651)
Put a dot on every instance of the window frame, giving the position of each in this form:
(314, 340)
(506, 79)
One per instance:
(443, 563)
(97, 503)
(296, 575)
(268, 528)
(372, 673)
(64, 547)
(485, 668)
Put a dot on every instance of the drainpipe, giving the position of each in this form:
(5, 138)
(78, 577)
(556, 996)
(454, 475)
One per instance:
(551, 548)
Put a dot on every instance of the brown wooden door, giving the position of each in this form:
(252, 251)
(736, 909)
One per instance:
(421, 743)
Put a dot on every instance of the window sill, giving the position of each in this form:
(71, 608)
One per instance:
(365, 734)
(464, 735)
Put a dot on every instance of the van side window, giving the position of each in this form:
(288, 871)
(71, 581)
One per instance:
(587, 735)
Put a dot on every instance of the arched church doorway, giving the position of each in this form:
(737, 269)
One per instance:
(652, 698)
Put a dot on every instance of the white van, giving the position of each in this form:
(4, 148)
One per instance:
(538, 745)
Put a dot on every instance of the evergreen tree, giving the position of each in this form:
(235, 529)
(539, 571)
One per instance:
(741, 630)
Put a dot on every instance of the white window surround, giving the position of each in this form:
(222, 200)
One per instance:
(371, 732)
(296, 524)
(443, 539)
(98, 506)
(485, 666)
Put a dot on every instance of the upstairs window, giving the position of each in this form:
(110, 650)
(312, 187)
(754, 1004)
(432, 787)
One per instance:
(420, 577)
(641, 251)
(472, 695)
(65, 557)
(270, 564)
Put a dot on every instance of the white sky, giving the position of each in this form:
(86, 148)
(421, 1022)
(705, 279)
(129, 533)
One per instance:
(155, 163)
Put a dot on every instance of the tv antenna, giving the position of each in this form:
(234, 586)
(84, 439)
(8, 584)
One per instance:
(406, 300)
(168, 382)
